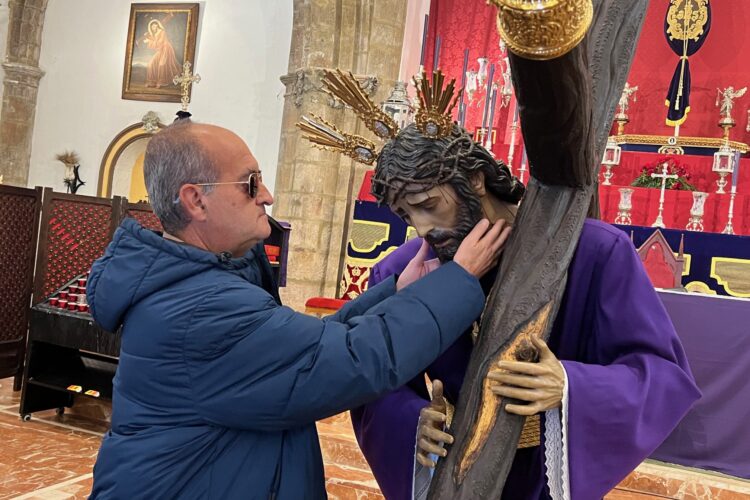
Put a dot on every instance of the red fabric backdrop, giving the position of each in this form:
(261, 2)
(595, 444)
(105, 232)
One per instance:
(470, 24)
(721, 62)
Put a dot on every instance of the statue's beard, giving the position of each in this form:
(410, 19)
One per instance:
(445, 242)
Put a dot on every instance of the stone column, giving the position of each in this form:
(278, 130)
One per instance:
(314, 189)
(20, 87)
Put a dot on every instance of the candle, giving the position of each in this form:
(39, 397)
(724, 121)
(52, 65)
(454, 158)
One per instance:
(492, 114)
(488, 96)
(736, 170)
(436, 59)
(424, 40)
(461, 108)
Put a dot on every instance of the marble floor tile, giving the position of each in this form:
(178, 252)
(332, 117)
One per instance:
(38, 455)
(75, 489)
(618, 494)
(51, 457)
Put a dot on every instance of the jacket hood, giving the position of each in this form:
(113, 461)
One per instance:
(139, 262)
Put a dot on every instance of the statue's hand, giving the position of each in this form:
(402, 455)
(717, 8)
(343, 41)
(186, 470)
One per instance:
(430, 435)
(539, 384)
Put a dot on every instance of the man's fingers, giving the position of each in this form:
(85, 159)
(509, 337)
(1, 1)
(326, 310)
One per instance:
(476, 234)
(502, 239)
(422, 459)
(423, 251)
(430, 447)
(435, 434)
(524, 381)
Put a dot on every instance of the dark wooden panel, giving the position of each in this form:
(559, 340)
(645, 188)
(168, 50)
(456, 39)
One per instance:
(19, 223)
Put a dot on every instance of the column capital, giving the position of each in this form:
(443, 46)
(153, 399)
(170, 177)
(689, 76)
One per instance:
(306, 80)
(22, 73)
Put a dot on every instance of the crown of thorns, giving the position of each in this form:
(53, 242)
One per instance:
(433, 118)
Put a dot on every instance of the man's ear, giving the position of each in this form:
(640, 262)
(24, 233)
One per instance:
(192, 200)
(477, 183)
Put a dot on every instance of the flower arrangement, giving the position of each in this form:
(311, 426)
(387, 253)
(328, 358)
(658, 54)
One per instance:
(71, 178)
(673, 168)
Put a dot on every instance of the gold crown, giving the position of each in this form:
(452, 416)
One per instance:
(435, 107)
(543, 29)
(433, 118)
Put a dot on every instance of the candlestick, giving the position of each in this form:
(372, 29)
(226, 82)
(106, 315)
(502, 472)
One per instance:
(436, 55)
(513, 130)
(488, 94)
(424, 40)
(624, 207)
(696, 212)
(461, 111)
(728, 229)
(488, 143)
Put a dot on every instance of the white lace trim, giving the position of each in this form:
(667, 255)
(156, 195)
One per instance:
(422, 477)
(556, 448)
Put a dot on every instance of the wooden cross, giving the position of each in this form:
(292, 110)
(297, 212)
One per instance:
(664, 175)
(184, 80)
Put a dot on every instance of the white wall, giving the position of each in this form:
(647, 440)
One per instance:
(242, 50)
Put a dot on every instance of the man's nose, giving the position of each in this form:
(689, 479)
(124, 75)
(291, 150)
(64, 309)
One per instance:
(264, 196)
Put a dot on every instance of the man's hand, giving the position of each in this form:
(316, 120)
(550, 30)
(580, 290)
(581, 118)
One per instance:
(430, 435)
(540, 384)
(417, 267)
(480, 250)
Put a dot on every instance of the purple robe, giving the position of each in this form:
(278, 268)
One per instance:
(629, 383)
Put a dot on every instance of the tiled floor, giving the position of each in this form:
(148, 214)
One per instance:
(51, 458)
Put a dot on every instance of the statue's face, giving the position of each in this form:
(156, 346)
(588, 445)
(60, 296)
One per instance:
(438, 215)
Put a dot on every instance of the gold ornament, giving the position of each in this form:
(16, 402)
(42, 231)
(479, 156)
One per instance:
(435, 105)
(543, 29)
(345, 87)
(433, 118)
(326, 136)
(687, 19)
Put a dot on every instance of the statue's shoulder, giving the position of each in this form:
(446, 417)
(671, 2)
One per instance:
(599, 238)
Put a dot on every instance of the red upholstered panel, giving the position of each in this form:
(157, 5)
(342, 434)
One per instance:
(658, 269)
(325, 303)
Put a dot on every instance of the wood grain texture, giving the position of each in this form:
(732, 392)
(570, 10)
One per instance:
(566, 106)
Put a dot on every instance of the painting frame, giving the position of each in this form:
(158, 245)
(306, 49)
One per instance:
(161, 37)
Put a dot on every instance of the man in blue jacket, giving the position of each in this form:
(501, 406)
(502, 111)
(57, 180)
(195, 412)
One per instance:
(219, 386)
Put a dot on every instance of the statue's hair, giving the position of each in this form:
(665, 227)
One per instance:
(411, 158)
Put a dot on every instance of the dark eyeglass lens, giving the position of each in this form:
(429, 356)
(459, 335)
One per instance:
(253, 185)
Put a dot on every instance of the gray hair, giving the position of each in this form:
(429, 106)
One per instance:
(174, 157)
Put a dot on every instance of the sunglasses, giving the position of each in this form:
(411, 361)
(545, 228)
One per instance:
(253, 184)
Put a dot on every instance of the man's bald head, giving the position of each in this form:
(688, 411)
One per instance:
(182, 153)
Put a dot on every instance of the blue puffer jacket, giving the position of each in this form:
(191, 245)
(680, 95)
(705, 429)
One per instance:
(219, 386)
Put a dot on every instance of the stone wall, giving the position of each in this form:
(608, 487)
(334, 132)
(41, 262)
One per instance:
(315, 189)
(20, 87)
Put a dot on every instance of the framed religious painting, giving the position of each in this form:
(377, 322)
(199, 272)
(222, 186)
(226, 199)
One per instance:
(161, 38)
